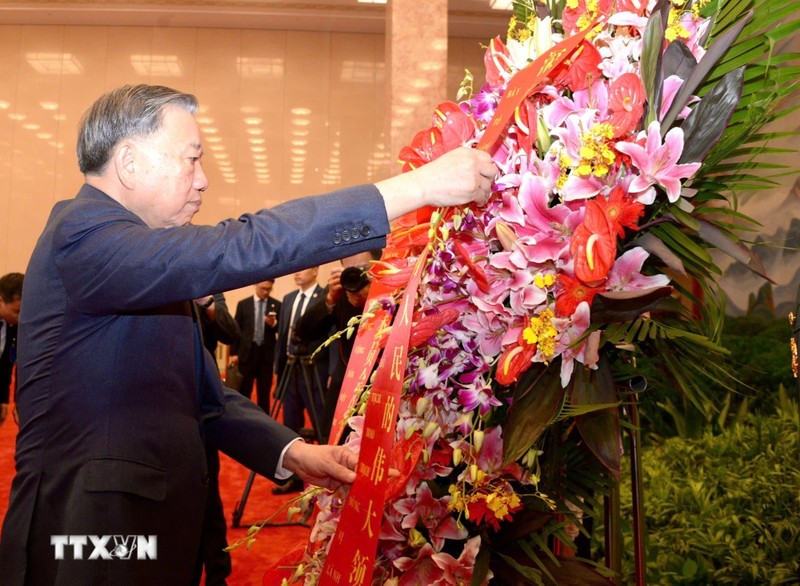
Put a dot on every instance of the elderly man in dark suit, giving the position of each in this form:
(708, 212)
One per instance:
(254, 351)
(116, 393)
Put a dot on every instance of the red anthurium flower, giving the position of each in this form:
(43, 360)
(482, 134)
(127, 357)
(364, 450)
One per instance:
(477, 272)
(594, 244)
(515, 360)
(456, 126)
(426, 327)
(403, 239)
(582, 67)
(405, 454)
(573, 292)
(393, 272)
(626, 103)
(525, 118)
(497, 59)
(451, 128)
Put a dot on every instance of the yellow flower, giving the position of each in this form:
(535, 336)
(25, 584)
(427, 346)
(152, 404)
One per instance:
(542, 332)
(595, 152)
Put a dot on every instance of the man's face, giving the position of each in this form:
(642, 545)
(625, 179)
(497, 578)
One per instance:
(304, 279)
(263, 289)
(10, 311)
(357, 260)
(169, 178)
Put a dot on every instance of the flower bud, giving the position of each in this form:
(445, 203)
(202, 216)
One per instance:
(542, 137)
(430, 429)
(422, 405)
(458, 456)
(477, 439)
(506, 235)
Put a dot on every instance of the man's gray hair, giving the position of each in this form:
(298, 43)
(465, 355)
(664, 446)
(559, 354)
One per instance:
(126, 112)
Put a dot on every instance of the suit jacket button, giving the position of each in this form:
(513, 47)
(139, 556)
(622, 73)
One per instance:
(355, 233)
(345, 235)
(366, 231)
(337, 238)
(204, 478)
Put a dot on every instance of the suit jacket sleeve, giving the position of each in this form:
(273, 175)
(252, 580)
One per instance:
(248, 435)
(111, 262)
(223, 324)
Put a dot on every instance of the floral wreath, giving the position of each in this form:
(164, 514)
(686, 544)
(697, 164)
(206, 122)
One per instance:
(531, 310)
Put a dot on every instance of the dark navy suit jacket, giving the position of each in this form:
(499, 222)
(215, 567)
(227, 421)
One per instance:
(116, 393)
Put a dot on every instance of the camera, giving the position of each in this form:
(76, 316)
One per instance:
(354, 279)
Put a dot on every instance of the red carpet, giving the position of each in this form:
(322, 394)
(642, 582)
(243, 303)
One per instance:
(248, 565)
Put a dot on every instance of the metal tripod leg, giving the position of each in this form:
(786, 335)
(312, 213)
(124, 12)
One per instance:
(238, 510)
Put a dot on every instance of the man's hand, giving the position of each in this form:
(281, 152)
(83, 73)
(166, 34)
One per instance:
(326, 466)
(358, 299)
(458, 177)
(334, 287)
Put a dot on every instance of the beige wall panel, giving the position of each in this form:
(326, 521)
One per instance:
(11, 259)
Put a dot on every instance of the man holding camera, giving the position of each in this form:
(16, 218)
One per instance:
(345, 298)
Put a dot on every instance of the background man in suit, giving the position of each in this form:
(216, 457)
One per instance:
(343, 300)
(254, 352)
(301, 382)
(217, 326)
(116, 393)
(10, 302)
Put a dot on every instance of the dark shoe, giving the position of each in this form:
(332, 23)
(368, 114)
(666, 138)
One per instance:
(294, 484)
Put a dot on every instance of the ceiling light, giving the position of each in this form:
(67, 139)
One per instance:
(54, 63)
(300, 111)
(252, 121)
(157, 65)
(260, 66)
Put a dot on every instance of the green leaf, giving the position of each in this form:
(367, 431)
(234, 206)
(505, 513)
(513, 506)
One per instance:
(651, 63)
(614, 306)
(599, 429)
(678, 60)
(656, 247)
(707, 122)
(537, 399)
(727, 244)
(706, 64)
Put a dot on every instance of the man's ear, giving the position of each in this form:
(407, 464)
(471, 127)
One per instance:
(125, 163)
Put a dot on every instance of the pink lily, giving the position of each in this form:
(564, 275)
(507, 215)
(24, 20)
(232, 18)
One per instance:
(626, 274)
(657, 163)
(459, 571)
